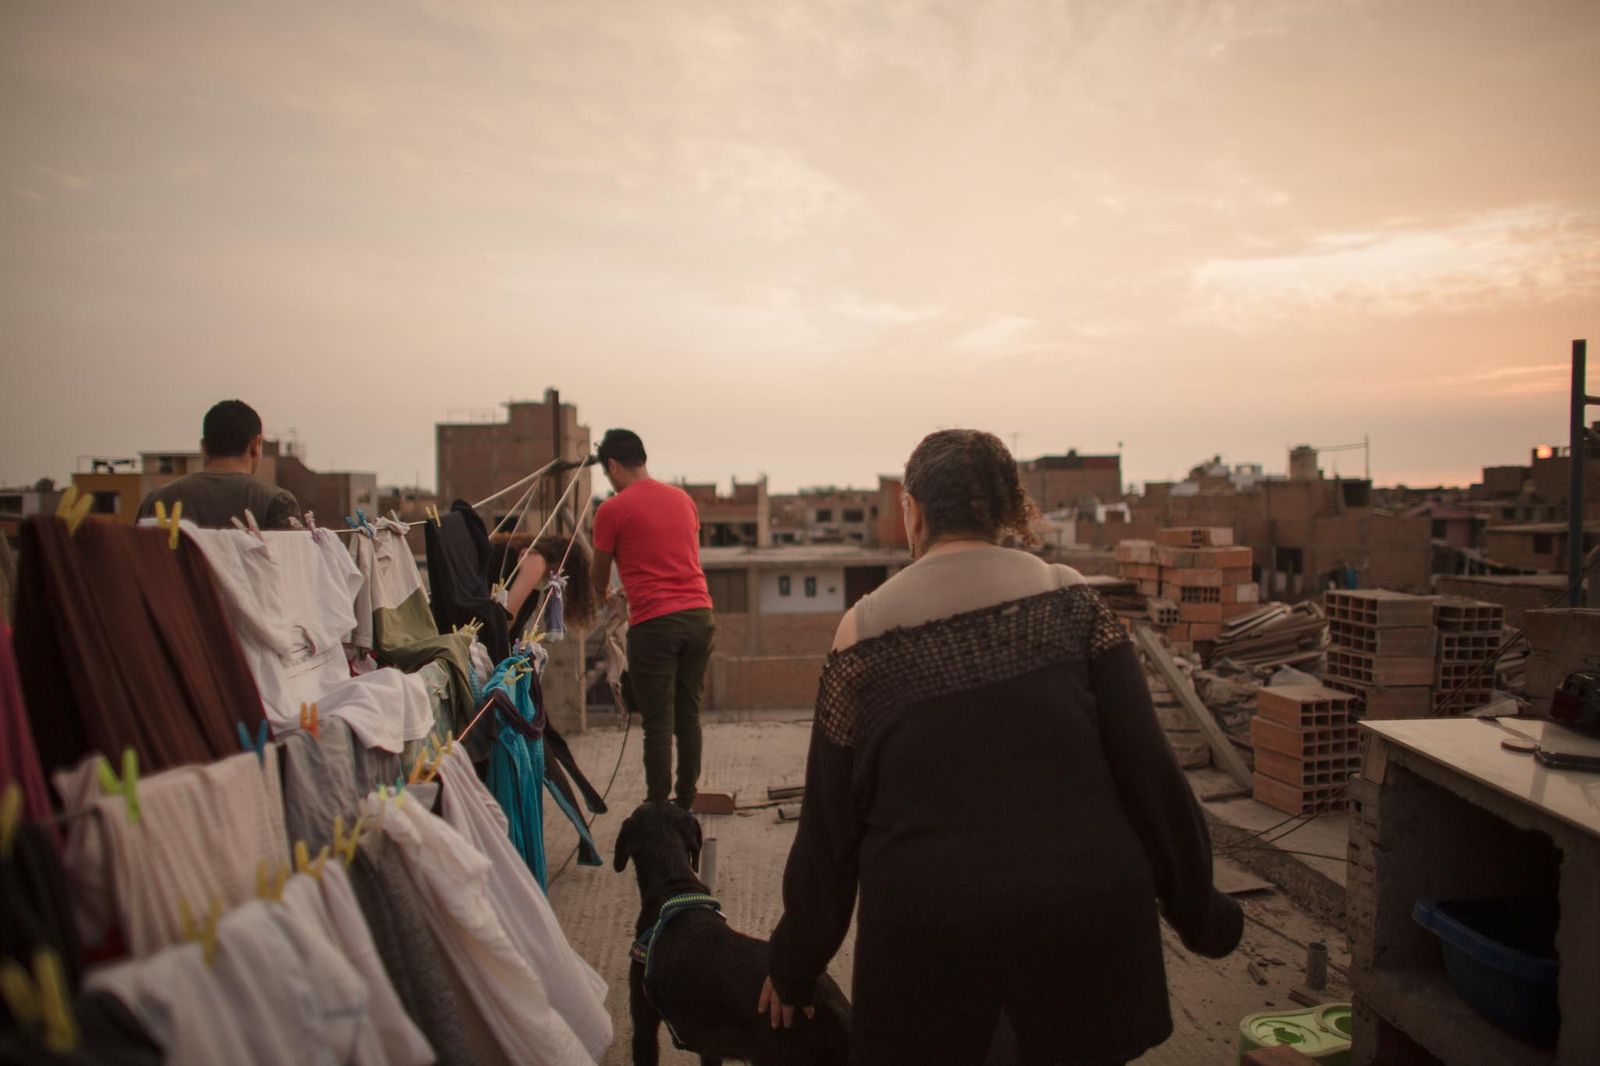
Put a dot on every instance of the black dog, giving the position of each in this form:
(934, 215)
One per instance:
(706, 978)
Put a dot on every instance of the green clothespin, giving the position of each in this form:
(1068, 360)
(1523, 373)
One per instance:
(127, 786)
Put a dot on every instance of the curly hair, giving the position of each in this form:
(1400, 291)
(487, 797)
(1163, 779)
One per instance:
(967, 484)
(580, 592)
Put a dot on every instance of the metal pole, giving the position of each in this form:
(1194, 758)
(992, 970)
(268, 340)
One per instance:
(1580, 358)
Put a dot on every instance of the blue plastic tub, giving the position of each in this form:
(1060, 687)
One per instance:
(1501, 958)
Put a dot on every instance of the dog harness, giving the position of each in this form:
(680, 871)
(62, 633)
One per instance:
(643, 950)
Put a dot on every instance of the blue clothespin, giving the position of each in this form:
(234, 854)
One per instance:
(359, 521)
(260, 745)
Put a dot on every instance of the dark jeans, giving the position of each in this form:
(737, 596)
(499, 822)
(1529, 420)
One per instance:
(667, 659)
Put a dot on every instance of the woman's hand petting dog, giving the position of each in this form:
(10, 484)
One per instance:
(780, 1012)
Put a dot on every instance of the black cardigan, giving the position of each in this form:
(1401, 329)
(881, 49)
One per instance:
(1002, 761)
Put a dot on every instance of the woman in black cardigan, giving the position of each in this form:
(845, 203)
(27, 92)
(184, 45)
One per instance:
(987, 773)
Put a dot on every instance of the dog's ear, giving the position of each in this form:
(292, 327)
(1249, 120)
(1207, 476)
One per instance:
(693, 839)
(624, 850)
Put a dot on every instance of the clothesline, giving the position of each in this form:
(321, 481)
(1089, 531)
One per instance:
(515, 485)
(533, 623)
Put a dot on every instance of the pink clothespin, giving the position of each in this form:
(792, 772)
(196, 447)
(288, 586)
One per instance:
(248, 525)
(316, 531)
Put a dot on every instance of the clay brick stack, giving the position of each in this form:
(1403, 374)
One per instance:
(1195, 579)
(1383, 648)
(1305, 744)
(1136, 562)
(1469, 635)
(1206, 578)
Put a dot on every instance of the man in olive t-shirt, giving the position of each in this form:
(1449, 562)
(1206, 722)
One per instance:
(226, 488)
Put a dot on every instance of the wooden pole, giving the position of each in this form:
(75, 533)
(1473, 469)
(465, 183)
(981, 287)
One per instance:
(1222, 750)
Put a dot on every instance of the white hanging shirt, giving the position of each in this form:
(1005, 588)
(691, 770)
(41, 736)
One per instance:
(577, 992)
(453, 877)
(290, 597)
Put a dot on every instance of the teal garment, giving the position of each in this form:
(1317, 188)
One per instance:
(516, 769)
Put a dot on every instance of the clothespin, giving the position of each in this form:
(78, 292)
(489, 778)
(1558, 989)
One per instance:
(270, 881)
(304, 863)
(10, 817)
(127, 786)
(316, 531)
(344, 847)
(248, 525)
(169, 522)
(424, 761)
(432, 511)
(41, 999)
(260, 744)
(358, 521)
(308, 720)
(73, 507)
(204, 933)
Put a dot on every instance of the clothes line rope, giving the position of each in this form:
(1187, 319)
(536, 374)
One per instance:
(533, 623)
(515, 485)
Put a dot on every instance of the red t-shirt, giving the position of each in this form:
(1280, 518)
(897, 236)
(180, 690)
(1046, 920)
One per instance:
(652, 530)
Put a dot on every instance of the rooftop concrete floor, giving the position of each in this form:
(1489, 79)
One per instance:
(746, 754)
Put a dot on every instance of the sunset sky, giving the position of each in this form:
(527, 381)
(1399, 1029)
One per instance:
(792, 236)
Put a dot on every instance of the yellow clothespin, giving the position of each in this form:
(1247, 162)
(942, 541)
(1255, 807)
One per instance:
(127, 786)
(170, 522)
(41, 999)
(308, 720)
(432, 511)
(304, 863)
(346, 848)
(204, 933)
(424, 759)
(269, 881)
(10, 817)
(73, 507)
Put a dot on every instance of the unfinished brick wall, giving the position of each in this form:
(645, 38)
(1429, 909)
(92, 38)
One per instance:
(771, 682)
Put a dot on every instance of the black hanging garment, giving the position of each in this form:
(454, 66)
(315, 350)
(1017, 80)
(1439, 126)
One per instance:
(458, 574)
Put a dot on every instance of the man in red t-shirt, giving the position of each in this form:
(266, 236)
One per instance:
(652, 530)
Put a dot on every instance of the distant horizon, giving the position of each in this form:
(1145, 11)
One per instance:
(792, 237)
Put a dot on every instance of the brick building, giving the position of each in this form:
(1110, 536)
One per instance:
(1307, 530)
(825, 516)
(742, 518)
(120, 485)
(777, 610)
(476, 459)
(1536, 547)
(1059, 481)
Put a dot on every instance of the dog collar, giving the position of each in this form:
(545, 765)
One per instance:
(643, 949)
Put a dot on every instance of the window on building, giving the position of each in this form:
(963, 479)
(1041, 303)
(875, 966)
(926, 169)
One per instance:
(1543, 544)
(1438, 529)
(107, 502)
(811, 588)
(11, 504)
(1356, 493)
(784, 585)
(1289, 561)
(854, 514)
(874, 510)
(824, 514)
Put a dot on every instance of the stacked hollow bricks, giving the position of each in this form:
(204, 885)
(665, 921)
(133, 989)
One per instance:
(1304, 738)
(1195, 579)
(1411, 656)
(1469, 636)
(1382, 648)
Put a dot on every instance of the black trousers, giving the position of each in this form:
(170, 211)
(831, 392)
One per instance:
(667, 659)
